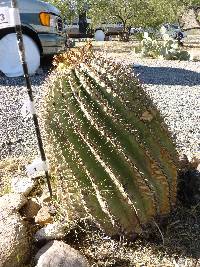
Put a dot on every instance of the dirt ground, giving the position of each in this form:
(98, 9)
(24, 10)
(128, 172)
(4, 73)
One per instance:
(121, 49)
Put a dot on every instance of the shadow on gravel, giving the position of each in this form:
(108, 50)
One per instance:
(167, 76)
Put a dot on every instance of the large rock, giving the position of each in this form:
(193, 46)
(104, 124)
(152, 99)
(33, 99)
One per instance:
(43, 216)
(14, 238)
(57, 253)
(11, 203)
(22, 185)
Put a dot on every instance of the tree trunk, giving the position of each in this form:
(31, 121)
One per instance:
(124, 35)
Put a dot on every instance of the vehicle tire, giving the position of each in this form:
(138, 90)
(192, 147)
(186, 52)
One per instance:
(10, 63)
(99, 35)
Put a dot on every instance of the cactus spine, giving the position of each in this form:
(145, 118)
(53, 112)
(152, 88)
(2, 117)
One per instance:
(106, 131)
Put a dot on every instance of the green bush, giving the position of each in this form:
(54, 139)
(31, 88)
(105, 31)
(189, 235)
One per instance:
(168, 49)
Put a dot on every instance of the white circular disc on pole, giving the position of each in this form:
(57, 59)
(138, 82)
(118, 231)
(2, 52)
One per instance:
(10, 63)
(99, 35)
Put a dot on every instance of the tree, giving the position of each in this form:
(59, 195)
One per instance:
(182, 8)
(69, 9)
(134, 13)
(131, 13)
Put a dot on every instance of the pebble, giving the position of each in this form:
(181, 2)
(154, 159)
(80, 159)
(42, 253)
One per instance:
(51, 231)
(43, 216)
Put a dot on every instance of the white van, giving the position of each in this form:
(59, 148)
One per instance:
(42, 27)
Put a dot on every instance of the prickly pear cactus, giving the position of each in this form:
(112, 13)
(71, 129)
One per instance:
(115, 157)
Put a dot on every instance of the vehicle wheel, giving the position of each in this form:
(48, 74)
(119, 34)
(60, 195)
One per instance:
(10, 63)
(99, 35)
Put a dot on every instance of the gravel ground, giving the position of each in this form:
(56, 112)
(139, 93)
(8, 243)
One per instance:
(17, 135)
(174, 87)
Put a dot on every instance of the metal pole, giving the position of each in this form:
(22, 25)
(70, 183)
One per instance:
(18, 30)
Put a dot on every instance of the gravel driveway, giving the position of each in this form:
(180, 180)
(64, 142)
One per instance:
(17, 135)
(174, 87)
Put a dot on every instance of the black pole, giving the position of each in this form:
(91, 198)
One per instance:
(18, 31)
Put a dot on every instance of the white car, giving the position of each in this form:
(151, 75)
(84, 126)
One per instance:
(43, 34)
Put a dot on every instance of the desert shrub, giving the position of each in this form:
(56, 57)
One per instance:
(168, 49)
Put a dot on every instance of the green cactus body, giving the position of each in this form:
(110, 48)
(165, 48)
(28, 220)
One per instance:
(133, 146)
(158, 141)
(106, 131)
(123, 213)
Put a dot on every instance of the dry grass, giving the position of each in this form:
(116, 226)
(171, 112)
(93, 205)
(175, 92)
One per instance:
(181, 246)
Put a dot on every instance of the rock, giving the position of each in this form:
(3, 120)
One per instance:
(57, 253)
(14, 238)
(45, 197)
(52, 210)
(31, 208)
(22, 185)
(51, 231)
(43, 216)
(99, 35)
(11, 203)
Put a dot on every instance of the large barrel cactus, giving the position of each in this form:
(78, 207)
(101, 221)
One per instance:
(114, 153)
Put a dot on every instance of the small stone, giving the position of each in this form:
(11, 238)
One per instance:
(31, 208)
(45, 197)
(22, 185)
(51, 231)
(146, 116)
(57, 253)
(43, 216)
